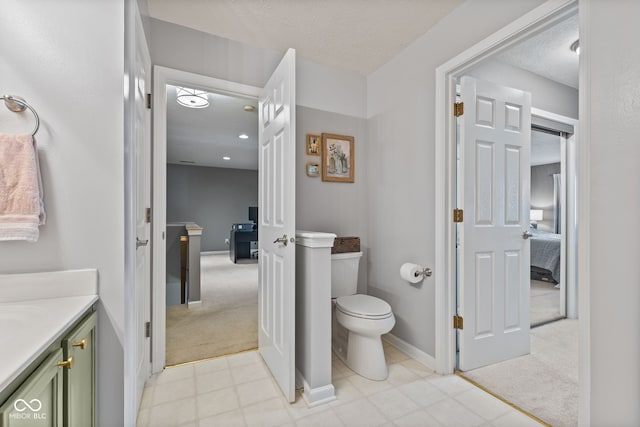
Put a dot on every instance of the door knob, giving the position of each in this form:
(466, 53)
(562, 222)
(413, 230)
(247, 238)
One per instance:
(526, 234)
(284, 240)
(141, 242)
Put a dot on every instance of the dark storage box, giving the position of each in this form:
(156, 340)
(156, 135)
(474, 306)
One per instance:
(345, 244)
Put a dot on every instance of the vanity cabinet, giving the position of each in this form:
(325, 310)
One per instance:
(60, 391)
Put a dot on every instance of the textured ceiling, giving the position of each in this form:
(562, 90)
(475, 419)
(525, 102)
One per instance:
(548, 53)
(357, 35)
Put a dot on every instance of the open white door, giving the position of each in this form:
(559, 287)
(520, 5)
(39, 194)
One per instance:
(494, 277)
(276, 200)
(142, 182)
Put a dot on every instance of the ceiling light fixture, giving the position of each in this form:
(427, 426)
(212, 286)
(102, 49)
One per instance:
(575, 46)
(192, 98)
(226, 158)
(243, 136)
(249, 108)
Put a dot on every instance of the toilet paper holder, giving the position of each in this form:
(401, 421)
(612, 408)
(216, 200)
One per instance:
(425, 272)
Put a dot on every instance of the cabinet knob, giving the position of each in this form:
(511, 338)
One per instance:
(82, 344)
(66, 363)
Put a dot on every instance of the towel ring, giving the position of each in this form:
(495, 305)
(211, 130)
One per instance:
(18, 105)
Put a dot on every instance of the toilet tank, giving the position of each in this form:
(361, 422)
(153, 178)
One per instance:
(344, 273)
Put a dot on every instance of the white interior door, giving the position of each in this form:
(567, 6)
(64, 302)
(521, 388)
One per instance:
(276, 199)
(142, 176)
(495, 138)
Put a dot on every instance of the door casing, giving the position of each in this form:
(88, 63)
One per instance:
(536, 20)
(161, 77)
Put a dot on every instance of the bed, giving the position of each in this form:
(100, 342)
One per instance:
(545, 256)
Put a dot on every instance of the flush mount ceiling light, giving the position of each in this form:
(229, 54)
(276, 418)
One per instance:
(226, 158)
(243, 136)
(192, 98)
(249, 108)
(575, 47)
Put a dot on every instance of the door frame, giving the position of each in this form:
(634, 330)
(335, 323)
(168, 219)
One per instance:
(569, 237)
(161, 77)
(535, 21)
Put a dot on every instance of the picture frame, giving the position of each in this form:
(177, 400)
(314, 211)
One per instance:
(338, 158)
(313, 144)
(313, 169)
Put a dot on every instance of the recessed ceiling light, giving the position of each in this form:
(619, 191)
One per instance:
(243, 136)
(575, 47)
(192, 98)
(226, 158)
(249, 108)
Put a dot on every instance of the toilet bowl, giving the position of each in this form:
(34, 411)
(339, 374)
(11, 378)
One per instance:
(364, 317)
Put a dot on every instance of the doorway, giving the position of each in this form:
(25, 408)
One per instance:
(224, 91)
(535, 22)
(212, 183)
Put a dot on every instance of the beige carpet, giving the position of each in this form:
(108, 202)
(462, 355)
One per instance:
(227, 320)
(545, 382)
(545, 302)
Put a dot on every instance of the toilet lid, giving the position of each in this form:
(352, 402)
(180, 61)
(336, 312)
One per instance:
(364, 306)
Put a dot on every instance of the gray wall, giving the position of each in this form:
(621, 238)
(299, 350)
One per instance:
(333, 207)
(545, 94)
(67, 59)
(610, 120)
(542, 193)
(213, 198)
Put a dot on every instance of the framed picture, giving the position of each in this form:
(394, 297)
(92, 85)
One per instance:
(313, 169)
(338, 158)
(313, 145)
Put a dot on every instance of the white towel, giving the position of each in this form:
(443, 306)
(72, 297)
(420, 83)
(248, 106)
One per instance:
(21, 201)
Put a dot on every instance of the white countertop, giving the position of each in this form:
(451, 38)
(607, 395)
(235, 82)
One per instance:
(35, 309)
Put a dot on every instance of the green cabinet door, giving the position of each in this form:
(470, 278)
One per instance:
(79, 379)
(38, 401)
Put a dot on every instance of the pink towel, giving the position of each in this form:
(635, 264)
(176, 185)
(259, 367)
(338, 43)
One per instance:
(21, 203)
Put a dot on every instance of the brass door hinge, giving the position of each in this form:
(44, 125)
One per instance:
(148, 215)
(457, 322)
(458, 109)
(147, 329)
(458, 215)
(149, 101)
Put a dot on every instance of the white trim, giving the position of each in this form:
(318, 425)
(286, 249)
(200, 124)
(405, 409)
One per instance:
(214, 252)
(161, 77)
(584, 295)
(193, 304)
(315, 396)
(569, 243)
(415, 353)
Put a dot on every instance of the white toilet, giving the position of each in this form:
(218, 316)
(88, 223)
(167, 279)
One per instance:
(364, 317)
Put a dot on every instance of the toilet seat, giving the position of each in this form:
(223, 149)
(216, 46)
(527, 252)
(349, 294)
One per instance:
(364, 307)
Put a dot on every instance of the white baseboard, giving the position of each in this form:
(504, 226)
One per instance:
(214, 252)
(315, 396)
(193, 303)
(417, 354)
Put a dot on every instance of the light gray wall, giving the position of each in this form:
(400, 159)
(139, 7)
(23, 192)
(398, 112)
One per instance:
(213, 198)
(67, 59)
(610, 115)
(333, 207)
(317, 86)
(542, 193)
(400, 107)
(545, 94)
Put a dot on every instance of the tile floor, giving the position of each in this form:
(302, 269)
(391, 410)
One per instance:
(238, 390)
